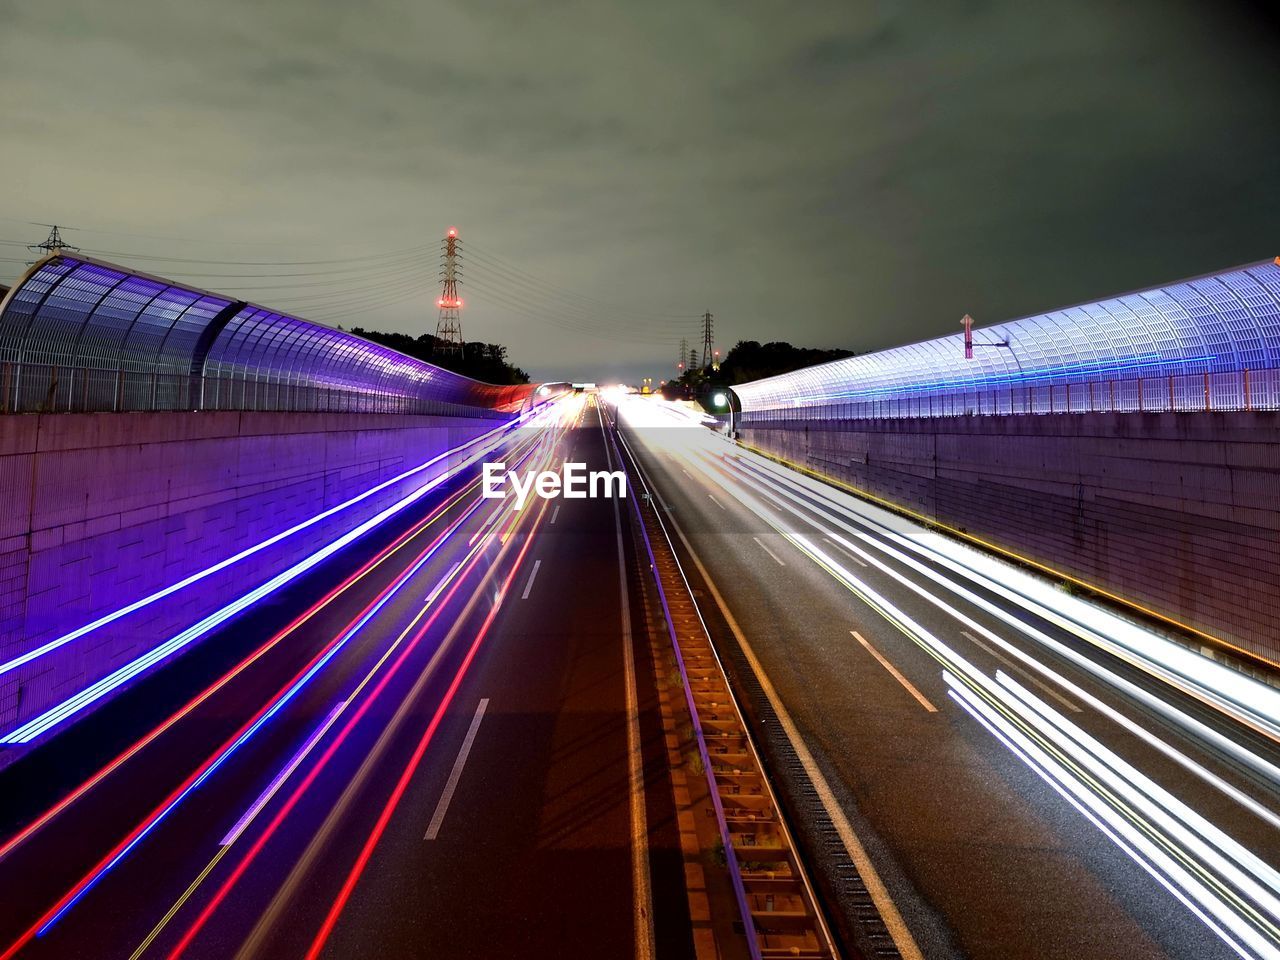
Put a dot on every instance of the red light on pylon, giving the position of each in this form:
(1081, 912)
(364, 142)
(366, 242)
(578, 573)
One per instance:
(453, 231)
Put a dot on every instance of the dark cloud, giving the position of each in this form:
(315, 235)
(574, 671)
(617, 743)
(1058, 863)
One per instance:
(837, 174)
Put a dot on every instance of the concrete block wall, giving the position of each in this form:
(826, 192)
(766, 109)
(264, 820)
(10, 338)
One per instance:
(99, 510)
(1179, 513)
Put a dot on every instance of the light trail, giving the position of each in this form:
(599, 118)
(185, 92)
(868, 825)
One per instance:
(225, 847)
(214, 763)
(353, 877)
(1234, 919)
(115, 764)
(1234, 904)
(68, 708)
(1234, 892)
(877, 890)
(105, 771)
(238, 739)
(265, 797)
(1229, 691)
(1195, 727)
(473, 557)
(50, 646)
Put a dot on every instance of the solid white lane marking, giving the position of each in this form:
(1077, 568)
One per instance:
(555, 513)
(1044, 687)
(897, 675)
(642, 919)
(716, 502)
(442, 806)
(768, 551)
(852, 556)
(529, 583)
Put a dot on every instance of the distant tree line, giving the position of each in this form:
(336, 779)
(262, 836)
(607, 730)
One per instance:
(749, 360)
(486, 362)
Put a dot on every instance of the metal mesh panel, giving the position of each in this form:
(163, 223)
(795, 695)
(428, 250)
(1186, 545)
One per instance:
(1185, 346)
(79, 334)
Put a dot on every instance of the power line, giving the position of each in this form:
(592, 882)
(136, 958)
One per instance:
(485, 276)
(484, 255)
(170, 238)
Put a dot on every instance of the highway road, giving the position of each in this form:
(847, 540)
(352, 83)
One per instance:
(1017, 772)
(442, 742)
(438, 743)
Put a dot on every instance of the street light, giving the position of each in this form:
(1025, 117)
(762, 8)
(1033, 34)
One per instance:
(724, 398)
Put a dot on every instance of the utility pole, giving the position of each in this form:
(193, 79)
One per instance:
(706, 339)
(449, 323)
(52, 244)
(684, 354)
(967, 322)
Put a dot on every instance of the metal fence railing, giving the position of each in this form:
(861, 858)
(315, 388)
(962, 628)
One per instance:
(42, 388)
(1184, 393)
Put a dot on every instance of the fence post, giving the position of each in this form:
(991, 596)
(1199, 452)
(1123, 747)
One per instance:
(1111, 386)
(84, 392)
(1091, 396)
(1248, 401)
(1172, 406)
(51, 398)
(1141, 398)
(4, 401)
(1207, 405)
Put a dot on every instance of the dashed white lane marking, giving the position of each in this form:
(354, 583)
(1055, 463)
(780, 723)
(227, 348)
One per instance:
(529, 583)
(897, 675)
(768, 551)
(852, 556)
(442, 807)
(1069, 704)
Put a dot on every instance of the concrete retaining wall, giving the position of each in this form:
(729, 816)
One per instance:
(99, 510)
(1179, 513)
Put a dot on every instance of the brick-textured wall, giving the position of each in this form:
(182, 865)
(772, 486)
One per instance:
(98, 510)
(1177, 512)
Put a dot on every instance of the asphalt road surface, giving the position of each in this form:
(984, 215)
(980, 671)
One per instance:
(439, 743)
(857, 618)
(447, 757)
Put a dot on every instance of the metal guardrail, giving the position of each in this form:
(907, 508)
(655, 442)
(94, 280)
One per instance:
(1242, 390)
(43, 388)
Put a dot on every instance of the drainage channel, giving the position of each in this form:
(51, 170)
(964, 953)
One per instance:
(775, 899)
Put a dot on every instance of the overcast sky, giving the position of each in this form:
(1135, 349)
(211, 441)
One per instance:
(834, 174)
